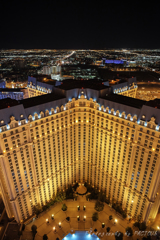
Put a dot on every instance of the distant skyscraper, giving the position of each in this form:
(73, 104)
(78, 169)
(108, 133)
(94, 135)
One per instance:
(48, 70)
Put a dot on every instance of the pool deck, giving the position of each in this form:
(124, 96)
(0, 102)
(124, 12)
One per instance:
(74, 225)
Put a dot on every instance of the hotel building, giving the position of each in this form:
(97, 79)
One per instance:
(81, 131)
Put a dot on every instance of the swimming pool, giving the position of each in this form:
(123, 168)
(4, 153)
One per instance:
(79, 235)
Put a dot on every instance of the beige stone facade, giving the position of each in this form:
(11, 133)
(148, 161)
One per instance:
(81, 142)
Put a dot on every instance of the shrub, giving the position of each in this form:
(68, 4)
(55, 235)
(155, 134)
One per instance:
(101, 197)
(136, 224)
(45, 237)
(38, 209)
(44, 208)
(68, 219)
(99, 206)
(64, 207)
(119, 209)
(108, 229)
(52, 202)
(61, 196)
(142, 226)
(110, 217)
(95, 216)
(69, 192)
(124, 214)
(118, 235)
(93, 193)
(34, 230)
(48, 204)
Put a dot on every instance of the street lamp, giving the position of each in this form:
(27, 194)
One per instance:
(78, 218)
(115, 221)
(59, 224)
(84, 218)
(78, 208)
(47, 221)
(84, 208)
(52, 216)
(54, 229)
(158, 227)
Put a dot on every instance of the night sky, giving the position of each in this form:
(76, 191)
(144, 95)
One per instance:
(77, 24)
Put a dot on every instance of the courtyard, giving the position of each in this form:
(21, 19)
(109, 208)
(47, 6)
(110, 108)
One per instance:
(59, 227)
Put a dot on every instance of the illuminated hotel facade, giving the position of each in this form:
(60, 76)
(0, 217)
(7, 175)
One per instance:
(50, 141)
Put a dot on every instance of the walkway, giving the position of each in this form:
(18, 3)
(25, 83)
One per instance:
(72, 212)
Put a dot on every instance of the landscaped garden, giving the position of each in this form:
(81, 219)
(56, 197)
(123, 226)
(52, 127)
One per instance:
(69, 193)
(81, 209)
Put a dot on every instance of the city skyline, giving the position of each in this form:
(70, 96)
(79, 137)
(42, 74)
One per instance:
(79, 117)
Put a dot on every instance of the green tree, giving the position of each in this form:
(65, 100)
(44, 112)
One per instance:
(52, 201)
(124, 214)
(69, 192)
(45, 237)
(129, 231)
(108, 229)
(101, 197)
(142, 226)
(38, 209)
(95, 216)
(110, 217)
(119, 236)
(64, 207)
(68, 219)
(44, 208)
(60, 197)
(99, 206)
(34, 230)
(136, 224)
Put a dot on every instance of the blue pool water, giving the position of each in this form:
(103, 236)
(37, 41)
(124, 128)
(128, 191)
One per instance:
(79, 235)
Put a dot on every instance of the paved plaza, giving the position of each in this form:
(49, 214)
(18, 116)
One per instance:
(73, 225)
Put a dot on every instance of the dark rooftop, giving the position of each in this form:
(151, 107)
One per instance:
(10, 89)
(49, 81)
(92, 84)
(39, 76)
(132, 102)
(154, 103)
(8, 102)
(44, 78)
(30, 102)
